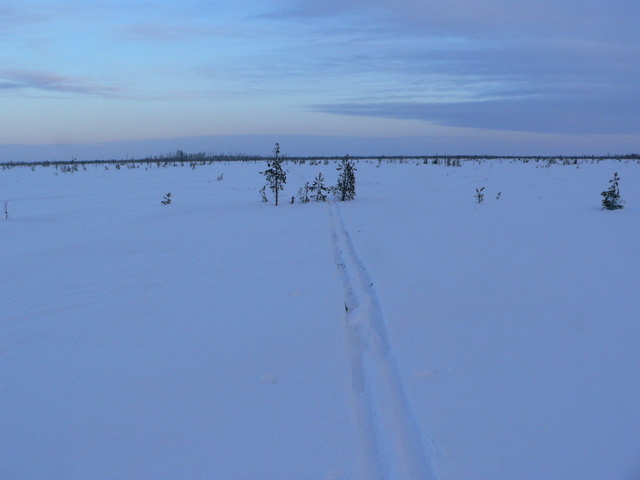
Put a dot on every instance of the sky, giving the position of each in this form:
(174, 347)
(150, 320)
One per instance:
(375, 77)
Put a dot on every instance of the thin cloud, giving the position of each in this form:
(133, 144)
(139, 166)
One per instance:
(49, 82)
(567, 115)
(480, 18)
(13, 18)
(552, 66)
(547, 66)
(161, 33)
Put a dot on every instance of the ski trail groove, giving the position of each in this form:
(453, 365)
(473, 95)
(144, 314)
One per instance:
(391, 444)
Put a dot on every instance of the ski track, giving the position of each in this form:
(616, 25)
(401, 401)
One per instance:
(391, 444)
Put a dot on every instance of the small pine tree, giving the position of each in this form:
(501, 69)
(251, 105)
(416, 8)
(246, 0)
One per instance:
(167, 199)
(319, 189)
(346, 186)
(275, 175)
(303, 193)
(611, 197)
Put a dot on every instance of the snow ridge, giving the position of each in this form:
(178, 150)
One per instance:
(391, 444)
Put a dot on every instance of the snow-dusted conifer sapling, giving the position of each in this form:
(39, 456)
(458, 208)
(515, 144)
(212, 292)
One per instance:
(275, 175)
(346, 186)
(319, 189)
(611, 197)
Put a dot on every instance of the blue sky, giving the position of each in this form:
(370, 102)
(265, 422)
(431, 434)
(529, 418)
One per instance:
(444, 76)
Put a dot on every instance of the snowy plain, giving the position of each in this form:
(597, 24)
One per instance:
(410, 333)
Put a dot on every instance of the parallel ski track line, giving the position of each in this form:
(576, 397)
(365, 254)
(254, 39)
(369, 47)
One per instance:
(391, 444)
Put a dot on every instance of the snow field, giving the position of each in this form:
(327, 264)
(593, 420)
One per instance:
(514, 320)
(209, 338)
(365, 329)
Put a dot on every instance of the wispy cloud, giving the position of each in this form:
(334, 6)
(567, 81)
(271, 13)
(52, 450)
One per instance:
(549, 66)
(49, 82)
(183, 31)
(13, 17)
(567, 115)
(479, 18)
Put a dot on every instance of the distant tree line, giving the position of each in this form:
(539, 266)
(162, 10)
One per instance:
(181, 158)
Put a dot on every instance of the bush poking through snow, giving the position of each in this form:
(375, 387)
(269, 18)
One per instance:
(167, 199)
(276, 177)
(316, 192)
(479, 195)
(263, 193)
(611, 197)
(6, 209)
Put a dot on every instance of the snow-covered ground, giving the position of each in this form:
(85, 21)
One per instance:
(411, 333)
